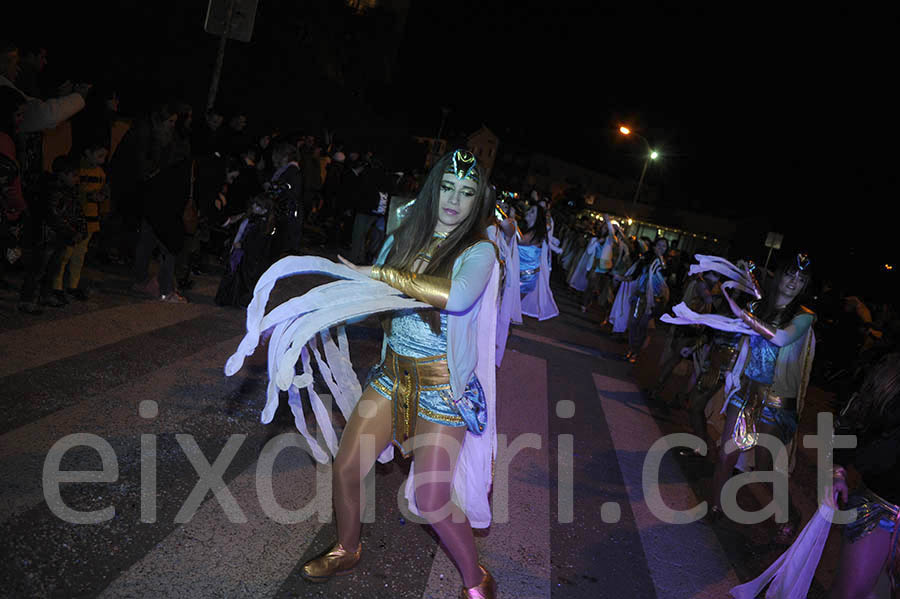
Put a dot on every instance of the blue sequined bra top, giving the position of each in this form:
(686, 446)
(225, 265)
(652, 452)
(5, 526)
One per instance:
(763, 356)
(411, 336)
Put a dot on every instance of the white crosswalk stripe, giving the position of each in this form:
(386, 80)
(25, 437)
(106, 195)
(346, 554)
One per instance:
(211, 556)
(110, 415)
(46, 342)
(517, 550)
(685, 560)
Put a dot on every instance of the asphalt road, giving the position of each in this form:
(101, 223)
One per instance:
(142, 383)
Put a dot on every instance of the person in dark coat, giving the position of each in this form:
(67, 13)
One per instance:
(369, 206)
(289, 201)
(251, 248)
(163, 188)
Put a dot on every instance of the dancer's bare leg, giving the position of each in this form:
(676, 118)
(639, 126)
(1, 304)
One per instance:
(763, 462)
(368, 432)
(726, 460)
(860, 565)
(436, 452)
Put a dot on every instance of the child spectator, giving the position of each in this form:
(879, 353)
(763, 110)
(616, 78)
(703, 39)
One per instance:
(58, 224)
(93, 193)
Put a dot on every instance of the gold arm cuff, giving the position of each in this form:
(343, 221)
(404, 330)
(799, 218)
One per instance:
(425, 288)
(757, 325)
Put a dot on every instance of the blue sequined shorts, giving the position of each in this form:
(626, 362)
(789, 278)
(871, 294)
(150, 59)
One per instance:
(435, 401)
(872, 512)
(528, 280)
(783, 419)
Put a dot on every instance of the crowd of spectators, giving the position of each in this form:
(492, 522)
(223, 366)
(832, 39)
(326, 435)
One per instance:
(83, 183)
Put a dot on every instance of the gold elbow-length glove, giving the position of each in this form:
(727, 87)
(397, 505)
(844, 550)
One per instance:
(425, 288)
(765, 330)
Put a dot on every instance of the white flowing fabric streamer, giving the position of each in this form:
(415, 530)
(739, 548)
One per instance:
(684, 315)
(733, 378)
(792, 573)
(296, 323)
(618, 314)
(578, 275)
(739, 277)
(323, 415)
(268, 411)
(287, 266)
(512, 282)
(345, 389)
(510, 310)
(554, 242)
(296, 405)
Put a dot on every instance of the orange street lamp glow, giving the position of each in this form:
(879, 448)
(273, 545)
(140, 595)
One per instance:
(624, 130)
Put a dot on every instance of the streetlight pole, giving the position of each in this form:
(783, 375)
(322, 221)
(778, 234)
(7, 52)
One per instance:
(637, 191)
(220, 57)
(651, 155)
(435, 152)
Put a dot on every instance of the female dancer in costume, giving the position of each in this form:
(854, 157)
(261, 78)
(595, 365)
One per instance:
(424, 396)
(504, 233)
(534, 266)
(682, 341)
(599, 265)
(534, 235)
(621, 264)
(871, 542)
(577, 277)
(620, 312)
(571, 245)
(773, 380)
(649, 298)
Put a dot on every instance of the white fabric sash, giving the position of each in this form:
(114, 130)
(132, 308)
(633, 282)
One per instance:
(792, 573)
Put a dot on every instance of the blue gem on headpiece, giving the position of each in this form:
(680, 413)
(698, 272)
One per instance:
(463, 165)
(803, 262)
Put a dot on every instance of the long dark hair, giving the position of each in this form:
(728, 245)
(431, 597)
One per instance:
(10, 100)
(416, 230)
(873, 409)
(539, 229)
(767, 309)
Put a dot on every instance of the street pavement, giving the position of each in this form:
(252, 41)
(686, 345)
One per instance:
(144, 379)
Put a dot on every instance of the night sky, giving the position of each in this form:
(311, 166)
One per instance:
(754, 111)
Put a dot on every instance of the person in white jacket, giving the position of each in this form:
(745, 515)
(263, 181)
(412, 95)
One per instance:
(40, 114)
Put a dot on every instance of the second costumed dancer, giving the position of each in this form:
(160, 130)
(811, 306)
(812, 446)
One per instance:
(766, 388)
(433, 393)
(534, 266)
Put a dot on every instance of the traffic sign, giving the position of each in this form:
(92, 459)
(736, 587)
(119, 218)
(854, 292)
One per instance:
(242, 17)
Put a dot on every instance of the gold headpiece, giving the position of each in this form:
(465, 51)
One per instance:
(463, 165)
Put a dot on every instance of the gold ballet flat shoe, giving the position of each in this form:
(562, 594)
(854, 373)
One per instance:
(335, 562)
(487, 589)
